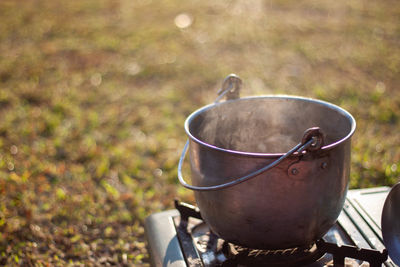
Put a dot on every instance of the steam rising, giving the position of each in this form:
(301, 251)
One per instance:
(266, 125)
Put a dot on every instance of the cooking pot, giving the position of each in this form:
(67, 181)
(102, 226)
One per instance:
(268, 172)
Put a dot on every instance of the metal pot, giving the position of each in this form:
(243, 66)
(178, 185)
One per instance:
(259, 180)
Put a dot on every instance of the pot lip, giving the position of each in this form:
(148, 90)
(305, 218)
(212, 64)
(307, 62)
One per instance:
(288, 97)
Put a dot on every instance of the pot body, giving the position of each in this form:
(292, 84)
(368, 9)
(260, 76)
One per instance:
(290, 205)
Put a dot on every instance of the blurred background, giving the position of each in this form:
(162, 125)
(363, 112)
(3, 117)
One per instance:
(94, 94)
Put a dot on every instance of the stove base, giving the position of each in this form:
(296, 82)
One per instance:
(358, 226)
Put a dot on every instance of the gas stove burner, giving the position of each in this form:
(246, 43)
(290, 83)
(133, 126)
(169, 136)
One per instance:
(280, 257)
(214, 249)
(289, 252)
(181, 238)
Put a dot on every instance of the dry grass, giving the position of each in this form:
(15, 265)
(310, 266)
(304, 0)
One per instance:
(93, 96)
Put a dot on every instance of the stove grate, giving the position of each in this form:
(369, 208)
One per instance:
(236, 255)
(374, 257)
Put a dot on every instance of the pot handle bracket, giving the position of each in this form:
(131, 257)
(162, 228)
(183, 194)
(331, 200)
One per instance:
(230, 87)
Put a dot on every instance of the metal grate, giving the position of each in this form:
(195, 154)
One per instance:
(236, 255)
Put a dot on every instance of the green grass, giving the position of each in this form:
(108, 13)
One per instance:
(93, 96)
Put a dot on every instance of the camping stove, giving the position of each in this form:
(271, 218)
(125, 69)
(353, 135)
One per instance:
(180, 237)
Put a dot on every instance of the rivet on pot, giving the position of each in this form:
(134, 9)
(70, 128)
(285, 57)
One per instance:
(295, 171)
(324, 165)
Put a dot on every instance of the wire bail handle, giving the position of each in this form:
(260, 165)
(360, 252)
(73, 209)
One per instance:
(312, 140)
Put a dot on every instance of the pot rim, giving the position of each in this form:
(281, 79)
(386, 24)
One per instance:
(256, 154)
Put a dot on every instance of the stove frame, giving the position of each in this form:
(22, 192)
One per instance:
(356, 234)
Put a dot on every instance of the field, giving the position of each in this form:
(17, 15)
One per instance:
(94, 94)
